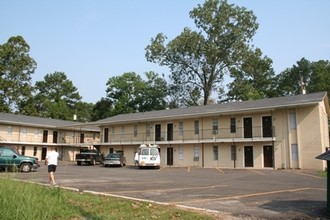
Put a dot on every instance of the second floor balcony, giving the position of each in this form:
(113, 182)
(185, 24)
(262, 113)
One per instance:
(33, 139)
(239, 134)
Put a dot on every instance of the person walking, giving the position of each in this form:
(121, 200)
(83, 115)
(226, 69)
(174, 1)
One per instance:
(136, 158)
(51, 161)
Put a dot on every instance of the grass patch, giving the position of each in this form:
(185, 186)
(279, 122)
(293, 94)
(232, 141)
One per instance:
(25, 201)
(322, 173)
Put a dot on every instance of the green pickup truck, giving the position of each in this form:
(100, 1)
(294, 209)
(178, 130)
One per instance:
(11, 159)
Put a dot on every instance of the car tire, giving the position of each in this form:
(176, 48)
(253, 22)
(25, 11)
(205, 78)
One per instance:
(78, 163)
(25, 167)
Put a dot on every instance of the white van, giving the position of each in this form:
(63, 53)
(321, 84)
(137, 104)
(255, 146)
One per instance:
(149, 156)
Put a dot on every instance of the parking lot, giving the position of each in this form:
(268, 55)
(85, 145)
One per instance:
(240, 193)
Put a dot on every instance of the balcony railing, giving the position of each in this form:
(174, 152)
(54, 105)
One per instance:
(206, 135)
(239, 134)
(16, 138)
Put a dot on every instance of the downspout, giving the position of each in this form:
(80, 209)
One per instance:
(202, 142)
(203, 154)
(234, 153)
(273, 131)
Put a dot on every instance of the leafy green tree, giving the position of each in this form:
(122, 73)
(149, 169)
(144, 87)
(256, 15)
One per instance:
(291, 80)
(181, 95)
(56, 97)
(305, 75)
(153, 94)
(83, 111)
(320, 77)
(28, 107)
(16, 68)
(123, 91)
(102, 109)
(253, 80)
(199, 59)
(130, 93)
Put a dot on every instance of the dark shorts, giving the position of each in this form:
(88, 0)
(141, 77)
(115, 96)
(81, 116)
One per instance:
(51, 168)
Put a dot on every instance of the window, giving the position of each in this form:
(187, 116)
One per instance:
(180, 153)
(62, 136)
(294, 149)
(196, 153)
(145, 151)
(215, 126)
(135, 130)
(181, 128)
(35, 150)
(113, 130)
(196, 127)
(153, 151)
(9, 129)
(292, 118)
(215, 153)
(24, 131)
(148, 131)
(72, 136)
(233, 125)
(122, 130)
(7, 152)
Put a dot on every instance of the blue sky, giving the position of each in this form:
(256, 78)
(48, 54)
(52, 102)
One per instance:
(93, 40)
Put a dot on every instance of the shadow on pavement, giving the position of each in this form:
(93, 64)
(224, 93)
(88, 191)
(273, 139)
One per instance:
(304, 209)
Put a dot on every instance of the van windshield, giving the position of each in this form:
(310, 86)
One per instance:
(154, 151)
(145, 152)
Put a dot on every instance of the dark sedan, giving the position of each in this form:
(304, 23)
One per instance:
(114, 159)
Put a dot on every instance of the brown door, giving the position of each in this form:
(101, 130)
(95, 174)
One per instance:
(45, 136)
(267, 126)
(106, 135)
(43, 153)
(55, 136)
(82, 138)
(248, 156)
(170, 132)
(268, 156)
(170, 156)
(247, 127)
(158, 132)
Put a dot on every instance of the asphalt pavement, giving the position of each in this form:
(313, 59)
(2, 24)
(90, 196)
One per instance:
(229, 193)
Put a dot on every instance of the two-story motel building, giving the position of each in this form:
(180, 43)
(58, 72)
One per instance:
(284, 132)
(33, 136)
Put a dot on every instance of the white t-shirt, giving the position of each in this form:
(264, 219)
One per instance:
(52, 158)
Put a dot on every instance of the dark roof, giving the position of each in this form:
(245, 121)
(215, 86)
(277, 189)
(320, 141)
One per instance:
(15, 119)
(224, 108)
(324, 156)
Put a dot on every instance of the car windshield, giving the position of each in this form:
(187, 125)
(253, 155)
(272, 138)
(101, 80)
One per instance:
(84, 151)
(113, 156)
